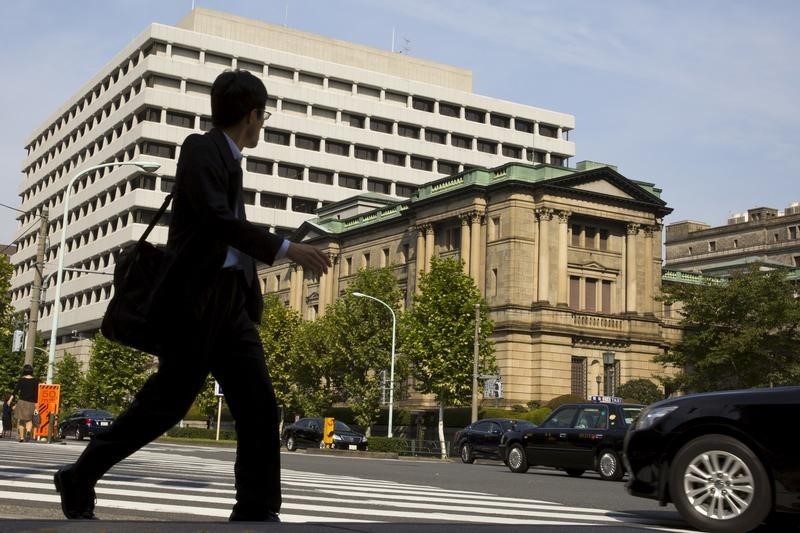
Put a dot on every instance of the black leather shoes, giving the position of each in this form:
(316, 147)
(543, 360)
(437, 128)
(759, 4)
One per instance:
(238, 515)
(77, 499)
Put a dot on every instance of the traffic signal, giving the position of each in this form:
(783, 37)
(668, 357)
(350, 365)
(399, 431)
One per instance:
(17, 344)
(498, 389)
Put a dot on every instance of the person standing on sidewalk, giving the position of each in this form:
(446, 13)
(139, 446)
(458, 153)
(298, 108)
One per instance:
(210, 302)
(27, 394)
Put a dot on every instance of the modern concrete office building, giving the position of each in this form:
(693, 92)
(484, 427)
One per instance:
(568, 260)
(762, 235)
(346, 120)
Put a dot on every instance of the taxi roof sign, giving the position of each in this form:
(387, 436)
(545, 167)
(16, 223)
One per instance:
(606, 399)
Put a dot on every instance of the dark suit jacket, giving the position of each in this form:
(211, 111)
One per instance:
(208, 184)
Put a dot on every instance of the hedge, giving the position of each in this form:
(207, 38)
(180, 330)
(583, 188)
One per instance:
(385, 444)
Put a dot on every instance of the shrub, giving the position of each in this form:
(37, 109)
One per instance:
(558, 401)
(640, 391)
(200, 433)
(385, 444)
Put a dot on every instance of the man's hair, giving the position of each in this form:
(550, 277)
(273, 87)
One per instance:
(234, 94)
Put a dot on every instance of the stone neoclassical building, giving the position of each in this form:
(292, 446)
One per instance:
(569, 261)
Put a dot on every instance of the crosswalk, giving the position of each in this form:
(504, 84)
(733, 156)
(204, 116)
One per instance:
(159, 482)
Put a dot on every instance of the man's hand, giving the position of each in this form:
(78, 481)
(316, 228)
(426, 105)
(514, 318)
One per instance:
(308, 257)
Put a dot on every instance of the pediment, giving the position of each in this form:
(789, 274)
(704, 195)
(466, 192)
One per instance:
(603, 187)
(593, 265)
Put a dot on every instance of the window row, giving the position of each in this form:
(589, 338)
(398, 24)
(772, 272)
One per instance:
(590, 294)
(589, 237)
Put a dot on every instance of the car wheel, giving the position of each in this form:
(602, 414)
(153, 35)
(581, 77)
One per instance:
(718, 484)
(291, 444)
(574, 472)
(609, 466)
(517, 460)
(60, 434)
(466, 453)
(79, 434)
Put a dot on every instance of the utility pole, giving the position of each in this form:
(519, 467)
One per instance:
(475, 363)
(33, 313)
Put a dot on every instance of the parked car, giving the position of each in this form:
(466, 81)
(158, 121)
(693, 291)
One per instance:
(575, 438)
(85, 423)
(482, 438)
(725, 459)
(307, 432)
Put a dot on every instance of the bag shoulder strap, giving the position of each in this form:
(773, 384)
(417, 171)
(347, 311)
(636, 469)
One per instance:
(156, 218)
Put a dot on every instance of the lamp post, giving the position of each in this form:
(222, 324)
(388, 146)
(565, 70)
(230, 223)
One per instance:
(391, 371)
(610, 378)
(147, 166)
(598, 379)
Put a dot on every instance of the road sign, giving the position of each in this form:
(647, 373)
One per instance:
(217, 389)
(47, 404)
(17, 344)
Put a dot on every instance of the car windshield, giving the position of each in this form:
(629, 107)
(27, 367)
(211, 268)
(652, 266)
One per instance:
(96, 413)
(341, 426)
(630, 413)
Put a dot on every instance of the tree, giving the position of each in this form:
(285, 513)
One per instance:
(362, 339)
(68, 374)
(278, 331)
(317, 374)
(740, 333)
(438, 336)
(641, 390)
(115, 374)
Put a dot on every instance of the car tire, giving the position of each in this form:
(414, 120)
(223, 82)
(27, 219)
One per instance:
(60, 434)
(291, 444)
(574, 472)
(725, 461)
(79, 434)
(517, 460)
(465, 450)
(609, 465)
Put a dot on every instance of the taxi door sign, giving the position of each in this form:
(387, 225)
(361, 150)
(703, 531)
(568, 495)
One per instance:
(327, 431)
(47, 404)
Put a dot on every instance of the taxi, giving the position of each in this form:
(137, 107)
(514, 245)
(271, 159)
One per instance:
(576, 437)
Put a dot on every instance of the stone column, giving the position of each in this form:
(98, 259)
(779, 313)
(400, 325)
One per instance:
(324, 281)
(420, 257)
(535, 266)
(428, 246)
(465, 242)
(649, 289)
(545, 215)
(630, 267)
(299, 293)
(561, 267)
(475, 248)
(333, 272)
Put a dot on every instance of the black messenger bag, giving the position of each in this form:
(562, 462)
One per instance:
(129, 317)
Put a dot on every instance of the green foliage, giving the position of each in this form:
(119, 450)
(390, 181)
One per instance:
(11, 367)
(7, 316)
(536, 416)
(438, 333)
(68, 374)
(200, 433)
(206, 402)
(558, 401)
(279, 330)
(316, 373)
(115, 374)
(640, 391)
(739, 334)
(361, 341)
(385, 444)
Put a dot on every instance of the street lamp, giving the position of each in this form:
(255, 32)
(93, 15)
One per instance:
(391, 371)
(147, 166)
(608, 366)
(598, 379)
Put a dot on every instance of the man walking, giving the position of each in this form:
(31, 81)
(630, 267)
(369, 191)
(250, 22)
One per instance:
(209, 301)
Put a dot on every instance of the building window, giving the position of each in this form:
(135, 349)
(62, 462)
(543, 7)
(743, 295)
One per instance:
(667, 310)
(215, 59)
(475, 115)
(489, 147)
(558, 160)
(394, 158)
(574, 292)
(356, 121)
(523, 125)
(406, 130)
(167, 184)
(296, 108)
(381, 126)
(422, 104)
(460, 141)
(143, 181)
(206, 124)
(606, 297)
(290, 171)
(536, 156)
(712, 246)
(404, 190)
(278, 72)
(421, 163)
(324, 113)
(512, 151)
(149, 114)
(384, 257)
(182, 120)
(365, 90)
(365, 152)
(591, 294)
(350, 182)
(250, 66)
(793, 232)
(201, 89)
(277, 137)
(589, 235)
(398, 98)
(578, 377)
(303, 205)
(273, 201)
(338, 85)
(157, 149)
(311, 79)
(379, 186)
(365, 260)
(306, 143)
(435, 136)
(500, 121)
(156, 48)
(259, 166)
(249, 197)
(337, 148)
(320, 176)
(576, 235)
(546, 130)
(449, 110)
(604, 239)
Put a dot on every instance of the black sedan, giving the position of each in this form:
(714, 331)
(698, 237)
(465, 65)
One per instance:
(85, 423)
(307, 432)
(725, 459)
(482, 438)
(574, 438)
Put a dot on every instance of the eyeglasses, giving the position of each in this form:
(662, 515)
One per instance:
(267, 114)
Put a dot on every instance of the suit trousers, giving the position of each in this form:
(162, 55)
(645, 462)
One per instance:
(223, 340)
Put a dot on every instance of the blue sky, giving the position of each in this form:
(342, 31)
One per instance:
(700, 97)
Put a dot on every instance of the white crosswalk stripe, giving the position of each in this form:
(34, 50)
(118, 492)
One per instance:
(163, 482)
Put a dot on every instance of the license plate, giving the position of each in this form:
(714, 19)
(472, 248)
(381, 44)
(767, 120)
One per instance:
(103, 423)
(352, 447)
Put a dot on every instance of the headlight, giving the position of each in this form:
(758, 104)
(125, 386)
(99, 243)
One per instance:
(337, 437)
(651, 417)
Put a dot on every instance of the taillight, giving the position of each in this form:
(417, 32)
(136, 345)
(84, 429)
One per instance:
(88, 421)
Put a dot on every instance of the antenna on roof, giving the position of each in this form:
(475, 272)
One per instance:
(192, 5)
(392, 39)
(406, 46)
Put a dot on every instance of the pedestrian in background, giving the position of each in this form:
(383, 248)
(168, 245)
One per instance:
(210, 302)
(5, 421)
(27, 393)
